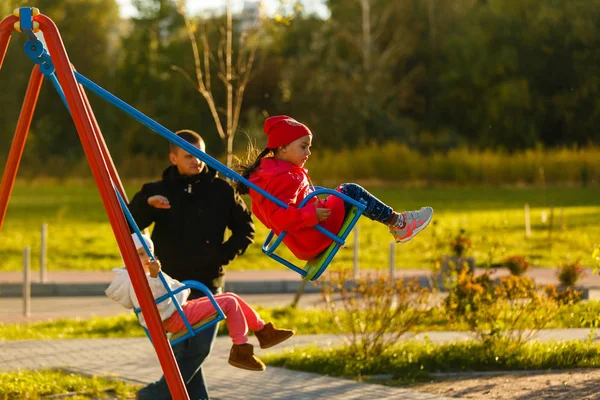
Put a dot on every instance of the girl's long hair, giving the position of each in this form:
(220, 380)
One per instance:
(245, 168)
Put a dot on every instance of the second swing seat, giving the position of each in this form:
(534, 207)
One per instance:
(195, 327)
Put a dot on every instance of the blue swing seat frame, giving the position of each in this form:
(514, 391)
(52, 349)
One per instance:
(218, 316)
(191, 330)
(315, 267)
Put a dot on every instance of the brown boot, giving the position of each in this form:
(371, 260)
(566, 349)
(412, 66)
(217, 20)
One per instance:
(270, 336)
(242, 356)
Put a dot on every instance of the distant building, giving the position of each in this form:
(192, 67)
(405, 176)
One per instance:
(250, 16)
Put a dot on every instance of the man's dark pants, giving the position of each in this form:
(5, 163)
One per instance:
(190, 354)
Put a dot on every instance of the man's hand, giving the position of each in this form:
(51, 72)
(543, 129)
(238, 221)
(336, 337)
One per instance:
(323, 213)
(159, 201)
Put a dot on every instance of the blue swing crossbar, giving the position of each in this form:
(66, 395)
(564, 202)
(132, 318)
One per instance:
(191, 331)
(40, 56)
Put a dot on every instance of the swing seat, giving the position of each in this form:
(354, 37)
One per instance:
(196, 327)
(315, 267)
(190, 330)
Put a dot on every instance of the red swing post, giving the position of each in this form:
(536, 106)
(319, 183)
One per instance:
(99, 159)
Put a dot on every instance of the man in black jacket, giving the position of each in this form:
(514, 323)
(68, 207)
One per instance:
(191, 208)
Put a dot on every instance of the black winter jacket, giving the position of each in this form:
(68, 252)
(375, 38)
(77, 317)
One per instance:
(188, 237)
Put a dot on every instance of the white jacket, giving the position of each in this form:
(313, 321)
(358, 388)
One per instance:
(121, 291)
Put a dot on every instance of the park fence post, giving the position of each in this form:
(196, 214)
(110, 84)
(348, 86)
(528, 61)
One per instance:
(550, 225)
(527, 221)
(43, 248)
(26, 282)
(356, 245)
(561, 224)
(392, 259)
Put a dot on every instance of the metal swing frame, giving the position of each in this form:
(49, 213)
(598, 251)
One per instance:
(70, 85)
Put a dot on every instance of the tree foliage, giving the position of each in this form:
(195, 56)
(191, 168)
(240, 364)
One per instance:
(429, 74)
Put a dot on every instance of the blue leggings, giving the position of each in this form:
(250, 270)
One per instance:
(376, 210)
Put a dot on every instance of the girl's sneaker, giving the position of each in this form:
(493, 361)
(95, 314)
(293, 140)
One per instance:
(414, 222)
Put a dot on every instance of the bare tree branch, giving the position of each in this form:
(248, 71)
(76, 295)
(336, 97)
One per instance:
(207, 55)
(186, 76)
(228, 73)
(240, 90)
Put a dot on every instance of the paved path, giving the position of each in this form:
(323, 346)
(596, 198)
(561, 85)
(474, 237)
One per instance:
(540, 275)
(135, 360)
(93, 283)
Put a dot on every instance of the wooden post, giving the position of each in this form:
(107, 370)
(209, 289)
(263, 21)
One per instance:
(299, 294)
(26, 282)
(356, 246)
(527, 221)
(551, 222)
(561, 223)
(392, 258)
(43, 248)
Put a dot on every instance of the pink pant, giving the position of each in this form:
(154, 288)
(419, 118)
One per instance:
(240, 316)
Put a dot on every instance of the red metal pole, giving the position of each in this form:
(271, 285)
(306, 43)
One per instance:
(6, 28)
(18, 143)
(99, 168)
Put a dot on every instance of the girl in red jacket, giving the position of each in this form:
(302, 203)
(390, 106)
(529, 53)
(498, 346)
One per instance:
(279, 170)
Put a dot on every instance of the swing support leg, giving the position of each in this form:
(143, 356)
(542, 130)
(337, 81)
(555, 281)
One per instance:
(85, 128)
(102, 169)
(18, 144)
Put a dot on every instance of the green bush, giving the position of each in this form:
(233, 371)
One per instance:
(374, 311)
(458, 166)
(467, 293)
(508, 312)
(517, 265)
(569, 273)
(460, 244)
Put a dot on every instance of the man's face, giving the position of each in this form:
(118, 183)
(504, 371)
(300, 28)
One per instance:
(186, 163)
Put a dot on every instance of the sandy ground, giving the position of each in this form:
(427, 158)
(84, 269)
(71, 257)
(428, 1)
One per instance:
(573, 384)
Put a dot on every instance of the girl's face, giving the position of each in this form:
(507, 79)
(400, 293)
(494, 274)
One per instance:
(296, 152)
(145, 260)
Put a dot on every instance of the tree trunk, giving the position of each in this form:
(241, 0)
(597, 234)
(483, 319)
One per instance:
(229, 77)
(230, 150)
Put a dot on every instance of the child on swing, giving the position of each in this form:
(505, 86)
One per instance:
(240, 316)
(282, 175)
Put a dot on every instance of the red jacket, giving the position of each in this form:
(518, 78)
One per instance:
(291, 185)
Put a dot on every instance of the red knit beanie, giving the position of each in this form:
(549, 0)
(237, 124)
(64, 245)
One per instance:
(282, 130)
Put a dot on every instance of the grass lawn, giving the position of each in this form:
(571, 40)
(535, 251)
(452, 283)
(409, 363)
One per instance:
(80, 237)
(311, 321)
(414, 360)
(24, 385)
(303, 321)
